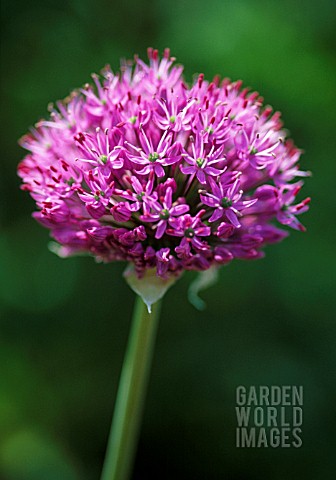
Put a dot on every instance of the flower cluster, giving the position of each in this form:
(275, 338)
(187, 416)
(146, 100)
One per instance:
(141, 167)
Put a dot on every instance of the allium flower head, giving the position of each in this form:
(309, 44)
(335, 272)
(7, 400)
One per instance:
(144, 168)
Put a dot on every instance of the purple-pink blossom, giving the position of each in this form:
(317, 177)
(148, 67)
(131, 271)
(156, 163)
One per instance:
(142, 167)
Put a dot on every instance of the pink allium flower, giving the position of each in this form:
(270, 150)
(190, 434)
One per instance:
(141, 167)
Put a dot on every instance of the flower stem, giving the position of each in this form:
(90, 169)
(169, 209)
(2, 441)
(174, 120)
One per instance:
(131, 394)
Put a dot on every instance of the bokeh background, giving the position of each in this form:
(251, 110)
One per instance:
(64, 323)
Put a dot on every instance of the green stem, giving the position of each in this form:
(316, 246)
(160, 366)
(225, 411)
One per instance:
(131, 394)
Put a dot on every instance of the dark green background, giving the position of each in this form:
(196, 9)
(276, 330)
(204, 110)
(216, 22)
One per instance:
(64, 323)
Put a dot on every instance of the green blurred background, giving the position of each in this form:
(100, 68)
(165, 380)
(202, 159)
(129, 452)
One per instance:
(64, 323)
